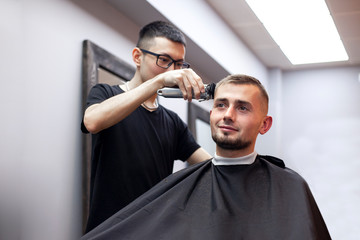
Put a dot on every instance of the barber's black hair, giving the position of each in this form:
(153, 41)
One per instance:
(159, 29)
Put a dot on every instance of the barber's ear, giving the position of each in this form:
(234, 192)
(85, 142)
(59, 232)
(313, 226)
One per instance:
(136, 55)
(266, 125)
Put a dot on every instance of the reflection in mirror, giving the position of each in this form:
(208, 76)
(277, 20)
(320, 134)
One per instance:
(107, 77)
(203, 134)
(199, 125)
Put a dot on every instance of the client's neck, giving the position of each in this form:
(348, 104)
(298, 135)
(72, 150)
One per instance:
(228, 153)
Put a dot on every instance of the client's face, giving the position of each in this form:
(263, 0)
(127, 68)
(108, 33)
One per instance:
(236, 117)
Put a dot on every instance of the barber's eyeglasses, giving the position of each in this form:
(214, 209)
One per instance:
(165, 61)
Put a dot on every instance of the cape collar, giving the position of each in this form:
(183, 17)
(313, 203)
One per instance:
(245, 160)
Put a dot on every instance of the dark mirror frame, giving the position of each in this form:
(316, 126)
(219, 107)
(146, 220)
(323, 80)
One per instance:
(196, 112)
(93, 58)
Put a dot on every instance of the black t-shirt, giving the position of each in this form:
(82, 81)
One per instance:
(133, 155)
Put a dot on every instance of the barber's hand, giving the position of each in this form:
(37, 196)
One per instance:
(187, 81)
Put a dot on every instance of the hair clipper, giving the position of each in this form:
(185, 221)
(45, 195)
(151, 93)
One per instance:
(176, 93)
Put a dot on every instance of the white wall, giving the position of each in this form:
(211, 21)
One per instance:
(270, 143)
(320, 139)
(40, 97)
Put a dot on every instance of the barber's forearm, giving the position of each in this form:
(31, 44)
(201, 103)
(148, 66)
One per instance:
(103, 115)
(198, 156)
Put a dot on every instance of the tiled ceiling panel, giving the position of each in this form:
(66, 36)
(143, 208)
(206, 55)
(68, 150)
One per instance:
(238, 15)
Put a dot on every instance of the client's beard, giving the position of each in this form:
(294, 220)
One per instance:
(223, 142)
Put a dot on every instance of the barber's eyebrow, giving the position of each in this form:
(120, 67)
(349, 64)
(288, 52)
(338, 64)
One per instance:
(167, 55)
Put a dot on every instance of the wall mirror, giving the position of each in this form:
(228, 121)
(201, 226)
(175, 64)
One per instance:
(98, 66)
(199, 125)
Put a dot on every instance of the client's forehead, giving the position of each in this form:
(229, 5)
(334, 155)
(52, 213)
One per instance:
(234, 90)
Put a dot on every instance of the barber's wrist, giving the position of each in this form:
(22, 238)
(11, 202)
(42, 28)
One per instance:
(158, 82)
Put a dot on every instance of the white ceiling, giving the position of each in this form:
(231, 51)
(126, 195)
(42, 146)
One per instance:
(238, 15)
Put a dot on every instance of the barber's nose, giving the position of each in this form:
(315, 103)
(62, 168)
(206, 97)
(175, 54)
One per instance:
(172, 67)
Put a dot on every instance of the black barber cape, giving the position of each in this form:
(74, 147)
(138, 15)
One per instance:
(263, 200)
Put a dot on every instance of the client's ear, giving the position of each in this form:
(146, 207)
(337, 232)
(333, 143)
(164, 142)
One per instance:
(266, 125)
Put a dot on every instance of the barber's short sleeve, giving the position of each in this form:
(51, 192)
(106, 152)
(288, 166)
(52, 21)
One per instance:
(97, 94)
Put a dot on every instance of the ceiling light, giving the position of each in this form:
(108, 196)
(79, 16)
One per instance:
(303, 29)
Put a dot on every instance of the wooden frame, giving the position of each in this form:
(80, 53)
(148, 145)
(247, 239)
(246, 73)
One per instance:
(196, 112)
(93, 59)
